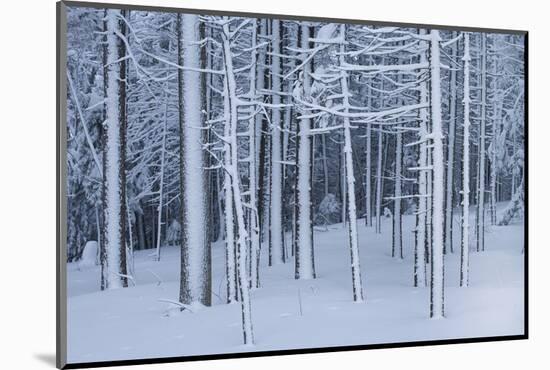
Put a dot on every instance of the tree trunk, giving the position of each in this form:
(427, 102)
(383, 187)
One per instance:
(304, 259)
(325, 164)
(113, 260)
(276, 242)
(261, 137)
(368, 177)
(437, 304)
(465, 242)
(379, 174)
(480, 219)
(423, 200)
(448, 246)
(498, 102)
(397, 240)
(253, 220)
(161, 181)
(231, 114)
(195, 278)
(350, 182)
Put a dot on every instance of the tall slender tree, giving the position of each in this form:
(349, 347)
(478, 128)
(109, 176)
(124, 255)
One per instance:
(113, 255)
(195, 276)
(276, 239)
(368, 175)
(437, 305)
(350, 178)
(397, 238)
(304, 259)
(480, 215)
(449, 178)
(231, 115)
(465, 242)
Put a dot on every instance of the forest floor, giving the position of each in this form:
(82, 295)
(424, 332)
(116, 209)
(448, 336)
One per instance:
(289, 314)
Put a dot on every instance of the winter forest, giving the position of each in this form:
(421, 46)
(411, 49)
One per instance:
(243, 184)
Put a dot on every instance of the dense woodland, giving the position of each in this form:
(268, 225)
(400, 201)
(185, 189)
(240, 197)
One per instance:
(189, 130)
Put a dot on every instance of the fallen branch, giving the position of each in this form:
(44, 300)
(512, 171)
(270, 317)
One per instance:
(176, 303)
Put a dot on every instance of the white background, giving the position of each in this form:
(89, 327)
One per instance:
(27, 182)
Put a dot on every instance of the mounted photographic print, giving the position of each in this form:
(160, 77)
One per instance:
(234, 184)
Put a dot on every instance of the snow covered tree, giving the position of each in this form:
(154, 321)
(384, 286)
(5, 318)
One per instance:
(195, 283)
(113, 251)
(368, 176)
(231, 116)
(465, 242)
(480, 215)
(304, 258)
(276, 237)
(449, 178)
(379, 175)
(437, 304)
(424, 198)
(253, 134)
(397, 238)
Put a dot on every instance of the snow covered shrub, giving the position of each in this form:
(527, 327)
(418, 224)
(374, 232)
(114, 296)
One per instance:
(173, 234)
(329, 211)
(410, 207)
(89, 254)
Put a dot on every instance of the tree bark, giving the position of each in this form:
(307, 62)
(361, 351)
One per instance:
(304, 258)
(276, 242)
(113, 261)
(437, 301)
(195, 278)
(465, 242)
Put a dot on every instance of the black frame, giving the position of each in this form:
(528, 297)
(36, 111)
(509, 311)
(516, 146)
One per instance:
(61, 299)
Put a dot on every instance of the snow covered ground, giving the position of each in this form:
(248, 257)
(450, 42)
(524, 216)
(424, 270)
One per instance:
(288, 314)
